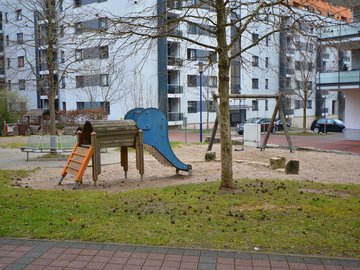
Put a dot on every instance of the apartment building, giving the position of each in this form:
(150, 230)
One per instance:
(345, 78)
(94, 70)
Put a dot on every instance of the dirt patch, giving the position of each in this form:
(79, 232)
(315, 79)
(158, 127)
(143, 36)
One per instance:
(314, 166)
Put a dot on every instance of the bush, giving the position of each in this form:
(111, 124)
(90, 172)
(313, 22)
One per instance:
(79, 117)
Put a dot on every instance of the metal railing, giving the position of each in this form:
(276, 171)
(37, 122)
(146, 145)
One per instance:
(175, 61)
(175, 89)
(175, 116)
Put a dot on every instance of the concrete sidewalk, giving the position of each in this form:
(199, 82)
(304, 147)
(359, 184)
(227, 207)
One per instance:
(43, 254)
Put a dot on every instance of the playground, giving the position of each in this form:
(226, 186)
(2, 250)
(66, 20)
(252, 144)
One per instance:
(250, 163)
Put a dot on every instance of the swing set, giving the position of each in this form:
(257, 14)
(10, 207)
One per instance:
(277, 109)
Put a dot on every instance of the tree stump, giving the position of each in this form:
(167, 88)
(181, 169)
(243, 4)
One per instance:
(209, 156)
(277, 162)
(292, 167)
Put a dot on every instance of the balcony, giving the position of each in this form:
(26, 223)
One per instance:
(345, 36)
(174, 4)
(175, 116)
(289, 111)
(175, 89)
(290, 71)
(174, 61)
(340, 79)
(291, 50)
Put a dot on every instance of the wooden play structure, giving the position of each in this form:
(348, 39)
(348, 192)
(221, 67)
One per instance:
(277, 109)
(104, 134)
(142, 128)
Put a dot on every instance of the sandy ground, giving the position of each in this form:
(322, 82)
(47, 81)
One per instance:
(249, 163)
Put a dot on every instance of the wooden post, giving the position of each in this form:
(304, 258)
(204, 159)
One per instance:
(216, 124)
(95, 157)
(276, 109)
(286, 130)
(140, 153)
(124, 159)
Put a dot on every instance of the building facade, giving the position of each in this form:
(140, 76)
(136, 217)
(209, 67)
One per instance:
(345, 79)
(94, 70)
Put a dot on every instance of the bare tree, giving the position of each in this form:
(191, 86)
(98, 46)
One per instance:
(139, 94)
(204, 19)
(113, 89)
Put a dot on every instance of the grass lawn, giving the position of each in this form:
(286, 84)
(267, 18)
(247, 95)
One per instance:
(274, 216)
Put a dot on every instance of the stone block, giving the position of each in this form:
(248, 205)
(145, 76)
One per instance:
(277, 162)
(292, 167)
(210, 156)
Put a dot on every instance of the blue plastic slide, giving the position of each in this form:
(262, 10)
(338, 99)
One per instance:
(154, 124)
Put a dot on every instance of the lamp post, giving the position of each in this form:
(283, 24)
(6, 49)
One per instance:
(201, 70)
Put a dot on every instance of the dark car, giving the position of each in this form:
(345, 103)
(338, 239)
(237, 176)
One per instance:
(264, 122)
(279, 124)
(327, 125)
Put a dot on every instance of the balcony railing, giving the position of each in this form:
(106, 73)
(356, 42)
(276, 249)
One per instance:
(290, 50)
(290, 71)
(349, 76)
(341, 30)
(175, 116)
(174, 61)
(175, 89)
(174, 4)
(175, 32)
(289, 111)
(324, 110)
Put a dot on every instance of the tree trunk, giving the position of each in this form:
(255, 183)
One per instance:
(224, 70)
(304, 110)
(51, 98)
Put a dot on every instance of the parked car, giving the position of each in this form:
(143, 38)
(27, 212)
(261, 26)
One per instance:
(265, 122)
(327, 125)
(279, 124)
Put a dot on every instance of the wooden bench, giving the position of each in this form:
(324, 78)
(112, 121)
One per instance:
(49, 144)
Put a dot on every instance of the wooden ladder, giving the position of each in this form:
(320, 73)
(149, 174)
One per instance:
(77, 163)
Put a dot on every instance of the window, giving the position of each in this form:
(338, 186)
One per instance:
(104, 80)
(9, 85)
(80, 105)
(309, 104)
(103, 23)
(19, 38)
(77, 3)
(255, 105)
(267, 62)
(8, 61)
(103, 52)
(288, 83)
(6, 17)
(267, 41)
(78, 54)
(255, 61)
(266, 83)
(7, 40)
(79, 81)
(266, 105)
(21, 84)
(255, 38)
(78, 27)
(192, 108)
(255, 83)
(299, 104)
(18, 15)
(62, 83)
(21, 61)
(62, 31)
(105, 106)
(297, 65)
(191, 81)
(62, 57)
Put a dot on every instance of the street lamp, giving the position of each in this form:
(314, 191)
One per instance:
(201, 70)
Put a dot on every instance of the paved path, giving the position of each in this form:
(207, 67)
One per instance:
(56, 255)
(330, 141)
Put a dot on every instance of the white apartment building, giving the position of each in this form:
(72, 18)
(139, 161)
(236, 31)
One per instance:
(95, 70)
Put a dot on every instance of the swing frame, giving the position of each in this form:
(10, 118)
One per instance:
(277, 109)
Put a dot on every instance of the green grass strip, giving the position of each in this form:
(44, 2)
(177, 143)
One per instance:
(274, 216)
